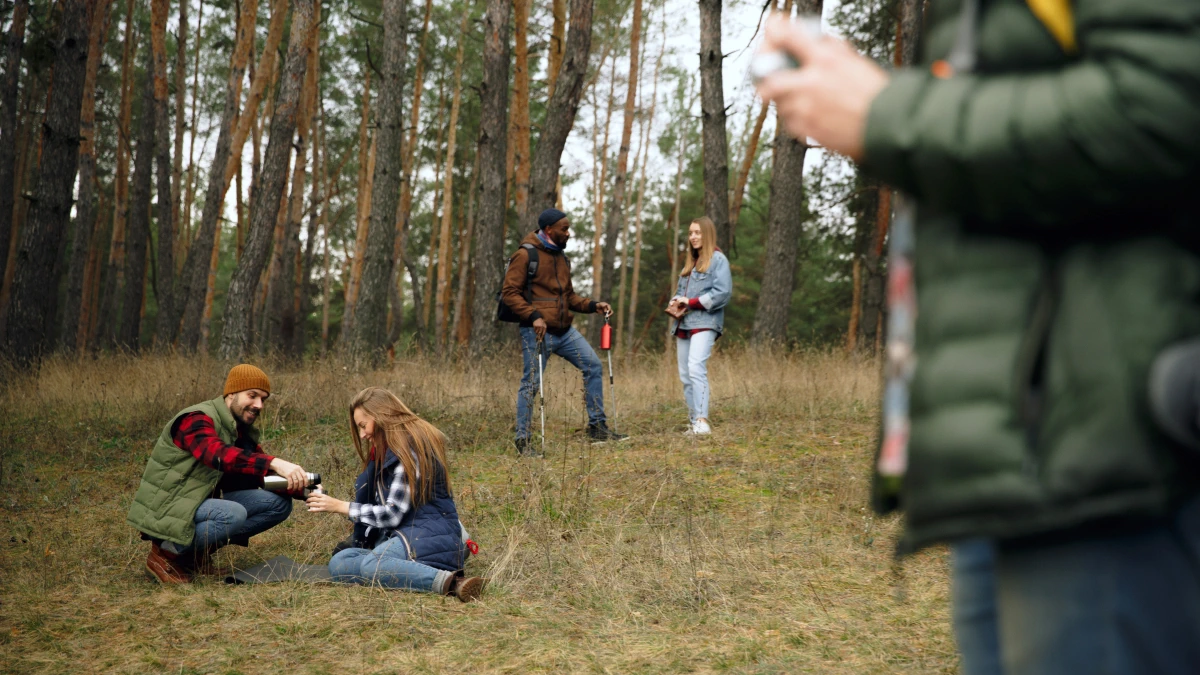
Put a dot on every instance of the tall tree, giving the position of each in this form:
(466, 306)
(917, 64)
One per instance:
(14, 42)
(85, 214)
(493, 131)
(616, 209)
(370, 321)
(647, 126)
(362, 218)
(462, 315)
(785, 224)
(558, 29)
(712, 109)
(167, 319)
(195, 270)
(115, 274)
(28, 326)
(235, 336)
(138, 241)
(560, 118)
(520, 112)
(445, 261)
(181, 40)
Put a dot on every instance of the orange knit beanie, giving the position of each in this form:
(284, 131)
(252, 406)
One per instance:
(245, 376)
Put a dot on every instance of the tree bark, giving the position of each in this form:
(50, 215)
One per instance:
(462, 315)
(616, 208)
(600, 170)
(181, 40)
(785, 221)
(557, 32)
(14, 42)
(114, 279)
(168, 319)
(190, 190)
(712, 106)
(195, 269)
(489, 244)
(445, 261)
(137, 244)
(235, 335)
(520, 112)
(370, 321)
(739, 190)
(34, 289)
(547, 157)
(366, 151)
(85, 214)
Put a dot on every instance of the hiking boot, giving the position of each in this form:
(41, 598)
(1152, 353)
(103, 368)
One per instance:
(526, 447)
(466, 589)
(165, 567)
(600, 433)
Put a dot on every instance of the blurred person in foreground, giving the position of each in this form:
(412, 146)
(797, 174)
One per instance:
(202, 485)
(406, 529)
(1052, 150)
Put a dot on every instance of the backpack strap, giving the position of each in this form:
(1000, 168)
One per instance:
(531, 269)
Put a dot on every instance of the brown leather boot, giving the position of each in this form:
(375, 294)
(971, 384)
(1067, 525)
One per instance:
(165, 567)
(467, 589)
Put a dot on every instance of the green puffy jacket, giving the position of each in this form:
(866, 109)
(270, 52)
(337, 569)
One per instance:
(1056, 255)
(175, 483)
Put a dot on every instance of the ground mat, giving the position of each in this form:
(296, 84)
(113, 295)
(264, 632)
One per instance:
(279, 568)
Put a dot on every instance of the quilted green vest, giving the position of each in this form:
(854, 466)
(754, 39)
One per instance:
(175, 482)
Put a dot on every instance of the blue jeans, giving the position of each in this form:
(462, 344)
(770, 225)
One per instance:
(575, 349)
(692, 355)
(1117, 604)
(387, 565)
(973, 597)
(239, 514)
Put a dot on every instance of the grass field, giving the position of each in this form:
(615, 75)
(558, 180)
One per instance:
(750, 552)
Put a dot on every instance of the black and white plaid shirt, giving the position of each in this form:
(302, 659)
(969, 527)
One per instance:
(387, 514)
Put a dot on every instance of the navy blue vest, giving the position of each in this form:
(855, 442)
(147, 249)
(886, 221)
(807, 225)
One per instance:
(431, 532)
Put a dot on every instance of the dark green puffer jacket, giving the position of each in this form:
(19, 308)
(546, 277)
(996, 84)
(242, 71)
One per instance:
(1056, 255)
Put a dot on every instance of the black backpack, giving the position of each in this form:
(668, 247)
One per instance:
(503, 311)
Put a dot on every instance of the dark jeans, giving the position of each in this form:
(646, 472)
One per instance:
(575, 349)
(243, 513)
(1121, 604)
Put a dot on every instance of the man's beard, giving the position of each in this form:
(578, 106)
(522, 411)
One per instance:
(240, 413)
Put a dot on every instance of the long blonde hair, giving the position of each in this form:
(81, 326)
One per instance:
(398, 429)
(708, 244)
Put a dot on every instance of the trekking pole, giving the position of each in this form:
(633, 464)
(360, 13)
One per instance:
(606, 346)
(542, 393)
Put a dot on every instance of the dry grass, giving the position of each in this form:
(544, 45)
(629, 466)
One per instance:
(749, 552)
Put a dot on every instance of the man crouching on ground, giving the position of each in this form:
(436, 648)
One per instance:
(201, 488)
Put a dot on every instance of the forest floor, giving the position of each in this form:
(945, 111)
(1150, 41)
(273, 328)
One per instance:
(749, 552)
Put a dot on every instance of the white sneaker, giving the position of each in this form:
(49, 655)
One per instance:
(701, 428)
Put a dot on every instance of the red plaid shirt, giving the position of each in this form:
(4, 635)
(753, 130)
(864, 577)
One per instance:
(195, 433)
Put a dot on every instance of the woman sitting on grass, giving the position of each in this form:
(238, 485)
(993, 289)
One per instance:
(406, 529)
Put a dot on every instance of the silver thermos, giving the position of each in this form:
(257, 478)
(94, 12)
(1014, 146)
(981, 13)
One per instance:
(280, 484)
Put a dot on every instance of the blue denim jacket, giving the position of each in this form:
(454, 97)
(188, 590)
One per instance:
(714, 288)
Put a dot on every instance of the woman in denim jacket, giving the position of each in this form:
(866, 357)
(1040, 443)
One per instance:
(704, 289)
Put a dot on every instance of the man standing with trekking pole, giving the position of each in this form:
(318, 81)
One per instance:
(538, 291)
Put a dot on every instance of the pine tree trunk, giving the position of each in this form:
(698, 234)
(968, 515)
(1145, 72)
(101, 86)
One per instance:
(647, 127)
(210, 289)
(14, 42)
(167, 320)
(462, 315)
(712, 107)
(558, 8)
(520, 130)
(235, 336)
(26, 147)
(190, 190)
(195, 269)
(85, 214)
(560, 118)
(362, 223)
(266, 76)
(616, 209)
(138, 236)
(489, 244)
(181, 40)
(600, 170)
(445, 261)
(370, 320)
(739, 191)
(785, 221)
(29, 324)
(114, 279)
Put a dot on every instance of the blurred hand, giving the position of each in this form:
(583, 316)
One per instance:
(321, 502)
(295, 474)
(604, 307)
(539, 328)
(829, 96)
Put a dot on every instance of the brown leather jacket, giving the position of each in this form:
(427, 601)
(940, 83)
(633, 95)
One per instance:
(551, 293)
